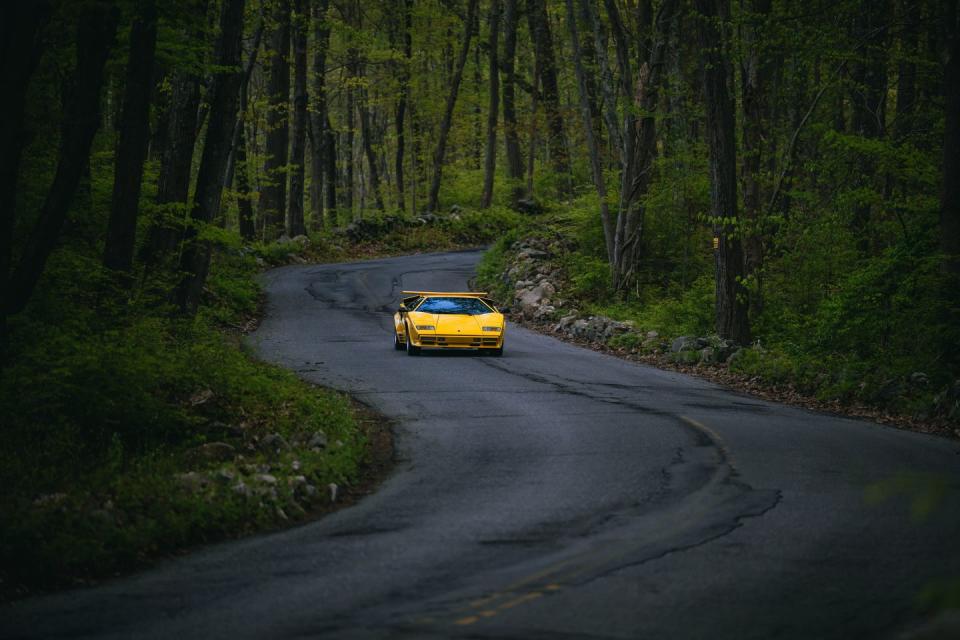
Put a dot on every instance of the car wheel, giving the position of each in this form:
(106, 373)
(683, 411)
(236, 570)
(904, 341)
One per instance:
(399, 346)
(412, 350)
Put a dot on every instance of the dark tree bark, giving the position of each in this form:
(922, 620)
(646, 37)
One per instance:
(273, 195)
(441, 152)
(176, 158)
(401, 110)
(868, 97)
(318, 118)
(21, 46)
(907, 71)
(950, 196)
(348, 186)
(755, 70)
(95, 35)
(588, 130)
(731, 309)
(366, 133)
(245, 215)
(244, 87)
(550, 94)
(134, 137)
(295, 220)
(330, 172)
(224, 99)
(490, 154)
(510, 131)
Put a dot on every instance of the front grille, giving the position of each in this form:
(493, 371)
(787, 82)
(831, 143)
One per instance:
(459, 341)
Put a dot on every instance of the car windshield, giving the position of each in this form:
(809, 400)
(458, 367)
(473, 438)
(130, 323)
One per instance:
(465, 306)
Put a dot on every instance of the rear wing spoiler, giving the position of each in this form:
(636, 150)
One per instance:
(470, 294)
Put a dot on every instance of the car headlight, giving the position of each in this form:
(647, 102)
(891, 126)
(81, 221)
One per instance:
(426, 327)
(491, 328)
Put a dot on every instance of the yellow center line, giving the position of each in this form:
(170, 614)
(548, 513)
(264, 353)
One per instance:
(533, 595)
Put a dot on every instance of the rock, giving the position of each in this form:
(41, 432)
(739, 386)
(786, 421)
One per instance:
(683, 343)
(274, 443)
(226, 476)
(317, 441)
(50, 500)
(565, 322)
(918, 379)
(266, 478)
(528, 206)
(212, 452)
(652, 335)
(724, 349)
(296, 481)
(708, 355)
(281, 514)
(530, 300)
(295, 465)
(241, 489)
(301, 240)
(192, 481)
(455, 208)
(544, 312)
(332, 488)
(531, 254)
(200, 397)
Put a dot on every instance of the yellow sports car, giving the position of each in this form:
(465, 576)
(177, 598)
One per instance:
(448, 320)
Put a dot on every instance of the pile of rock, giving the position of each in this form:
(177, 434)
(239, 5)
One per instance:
(536, 282)
(534, 279)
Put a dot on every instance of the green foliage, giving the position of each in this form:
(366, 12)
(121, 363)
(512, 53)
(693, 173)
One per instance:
(102, 402)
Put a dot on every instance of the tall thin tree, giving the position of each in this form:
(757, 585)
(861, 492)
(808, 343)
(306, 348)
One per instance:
(441, 152)
(134, 137)
(490, 153)
(224, 99)
(731, 304)
(295, 218)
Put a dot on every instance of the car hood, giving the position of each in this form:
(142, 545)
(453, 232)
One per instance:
(448, 323)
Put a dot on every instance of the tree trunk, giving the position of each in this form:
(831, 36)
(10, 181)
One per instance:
(134, 137)
(245, 219)
(21, 46)
(81, 119)
(296, 225)
(366, 134)
(511, 139)
(950, 195)
(868, 99)
(330, 168)
(490, 154)
(907, 71)
(318, 115)
(754, 75)
(225, 95)
(244, 87)
(550, 95)
(401, 110)
(731, 309)
(176, 159)
(273, 196)
(441, 152)
(588, 130)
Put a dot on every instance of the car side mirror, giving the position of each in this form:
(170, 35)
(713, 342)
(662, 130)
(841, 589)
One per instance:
(403, 308)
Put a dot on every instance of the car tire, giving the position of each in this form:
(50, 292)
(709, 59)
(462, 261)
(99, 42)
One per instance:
(399, 346)
(412, 350)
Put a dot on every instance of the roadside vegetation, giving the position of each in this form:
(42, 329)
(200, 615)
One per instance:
(735, 186)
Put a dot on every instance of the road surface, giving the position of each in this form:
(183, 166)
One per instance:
(552, 493)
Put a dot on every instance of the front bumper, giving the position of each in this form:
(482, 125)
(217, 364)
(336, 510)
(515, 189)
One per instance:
(458, 341)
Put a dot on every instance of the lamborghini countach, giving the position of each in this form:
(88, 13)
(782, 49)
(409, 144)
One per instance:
(448, 320)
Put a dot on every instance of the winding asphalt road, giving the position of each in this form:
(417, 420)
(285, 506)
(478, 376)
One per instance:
(552, 493)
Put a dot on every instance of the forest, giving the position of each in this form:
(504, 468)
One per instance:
(782, 175)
